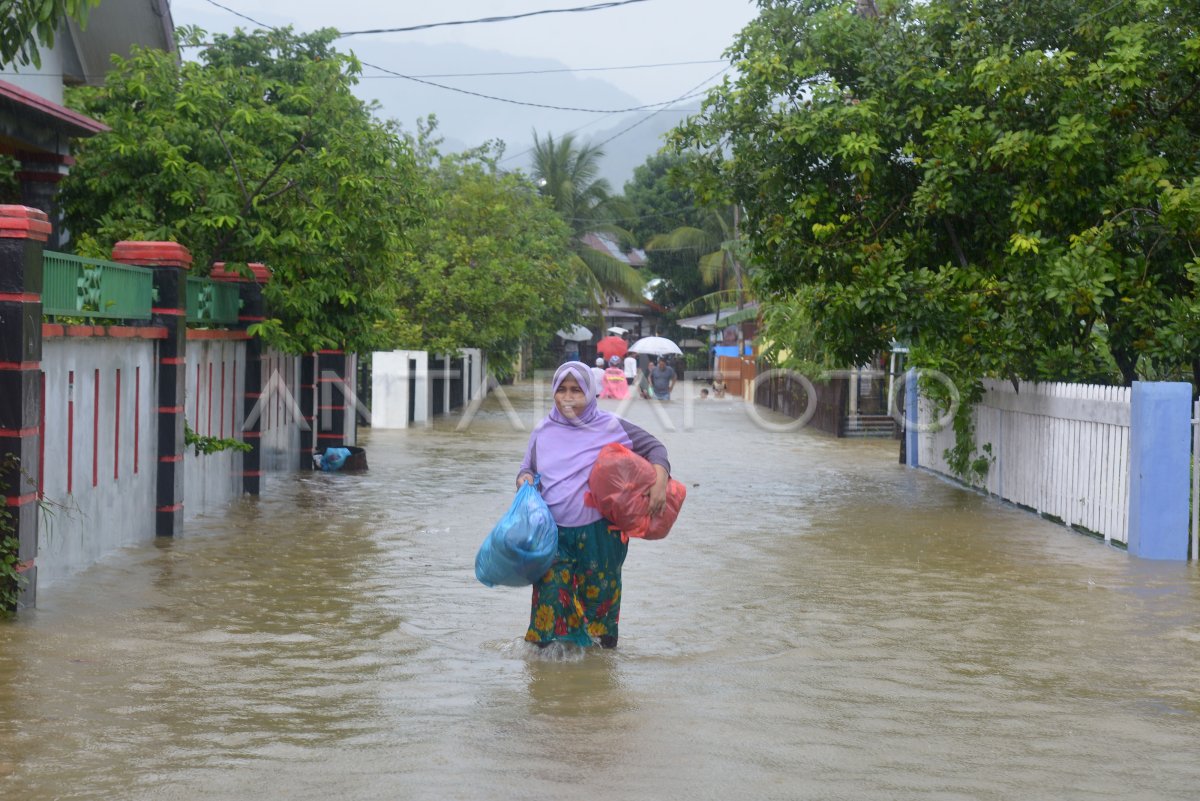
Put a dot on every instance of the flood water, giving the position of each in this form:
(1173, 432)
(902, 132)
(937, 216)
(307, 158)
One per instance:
(822, 623)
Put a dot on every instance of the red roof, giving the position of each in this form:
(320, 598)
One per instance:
(76, 124)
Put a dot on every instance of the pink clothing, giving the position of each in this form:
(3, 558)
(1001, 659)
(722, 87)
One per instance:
(614, 385)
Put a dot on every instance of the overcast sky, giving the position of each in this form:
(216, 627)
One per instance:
(649, 32)
(653, 31)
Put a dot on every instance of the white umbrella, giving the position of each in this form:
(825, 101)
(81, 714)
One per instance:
(577, 334)
(655, 346)
(618, 330)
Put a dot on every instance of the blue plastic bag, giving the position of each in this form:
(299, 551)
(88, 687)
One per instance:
(522, 546)
(334, 458)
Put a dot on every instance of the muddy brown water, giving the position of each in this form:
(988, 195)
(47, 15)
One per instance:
(822, 623)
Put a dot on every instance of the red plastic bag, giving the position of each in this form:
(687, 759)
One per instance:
(618, 485)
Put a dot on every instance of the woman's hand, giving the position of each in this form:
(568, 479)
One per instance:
(658, 492)
(523, 479)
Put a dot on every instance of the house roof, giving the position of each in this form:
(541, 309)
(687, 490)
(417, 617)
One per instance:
(113, 28)
(41, 112)
(607, 243)
(727, 316)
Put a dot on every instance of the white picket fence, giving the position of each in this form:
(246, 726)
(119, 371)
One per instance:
(1059, 449)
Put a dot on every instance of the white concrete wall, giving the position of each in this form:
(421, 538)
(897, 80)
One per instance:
(212, 405)
(92, 512)
(475, 375)
(390, 385)
(390, 388)
(45, 81)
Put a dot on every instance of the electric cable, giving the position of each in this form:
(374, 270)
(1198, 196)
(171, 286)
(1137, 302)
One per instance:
(560, 70)
(688, 94)
(480, 94)
(507, 18)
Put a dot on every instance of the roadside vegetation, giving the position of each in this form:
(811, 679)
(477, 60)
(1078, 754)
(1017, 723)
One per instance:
(1010, 188)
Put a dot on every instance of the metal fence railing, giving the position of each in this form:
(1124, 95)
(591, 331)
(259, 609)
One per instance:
(77, 286)
(212, 302)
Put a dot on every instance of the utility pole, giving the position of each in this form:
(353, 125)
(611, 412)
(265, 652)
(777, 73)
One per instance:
(737, 265)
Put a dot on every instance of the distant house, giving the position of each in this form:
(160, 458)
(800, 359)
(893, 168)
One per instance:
(640, 316)
(35, 128)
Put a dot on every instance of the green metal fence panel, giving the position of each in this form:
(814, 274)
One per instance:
(212, 302)
(77, 286)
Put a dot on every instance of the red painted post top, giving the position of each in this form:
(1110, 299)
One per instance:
(261, 273)
(23, 222)
(152, 254)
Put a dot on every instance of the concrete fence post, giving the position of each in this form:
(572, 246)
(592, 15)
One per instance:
(911, 417)
(23, 233)
(308, 424)
(170, 262)
(251, 312)
(1159, 458)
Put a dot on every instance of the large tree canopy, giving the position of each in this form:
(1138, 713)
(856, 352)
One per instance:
(494, 261)
(1012, 187)
(259, 151)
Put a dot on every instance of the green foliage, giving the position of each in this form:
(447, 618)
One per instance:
(494, 261)
(212, 444)
(566, 174)
(28, 23)
(696, 251)
(10, 188)
(1009, 187)
(964, 460)
(11, 581)
(656, 201)
(259, 151)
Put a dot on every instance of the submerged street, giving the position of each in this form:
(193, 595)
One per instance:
(821, 623)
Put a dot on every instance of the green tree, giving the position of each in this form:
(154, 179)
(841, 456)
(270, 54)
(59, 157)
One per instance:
(717, 249)
(655, 202)
(495, 261)
(28, 24)
(258, 152)
(1009, 186)
(566, 174)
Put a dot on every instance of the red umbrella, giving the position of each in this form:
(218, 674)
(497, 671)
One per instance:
(612, 346)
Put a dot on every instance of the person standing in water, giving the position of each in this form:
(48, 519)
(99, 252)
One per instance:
(578, 600)
(662, 380)
(631, 369)
(598, 375)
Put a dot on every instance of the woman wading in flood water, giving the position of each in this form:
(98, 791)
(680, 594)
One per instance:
(579, 599)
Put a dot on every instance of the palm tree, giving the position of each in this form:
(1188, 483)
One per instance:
(718, 246)
(566, 174)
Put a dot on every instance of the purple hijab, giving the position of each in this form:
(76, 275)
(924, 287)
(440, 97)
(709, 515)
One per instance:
(562, 450)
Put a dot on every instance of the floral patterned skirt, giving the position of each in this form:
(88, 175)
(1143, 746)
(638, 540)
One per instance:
(579, 598)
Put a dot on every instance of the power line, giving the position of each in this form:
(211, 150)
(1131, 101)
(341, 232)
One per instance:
(527, 102)
(564, 69)
(688, 94)
(624, 131)
(427, 26)
(498, 99)
(240, 14)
